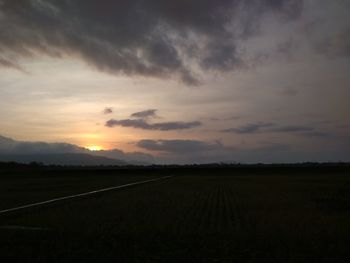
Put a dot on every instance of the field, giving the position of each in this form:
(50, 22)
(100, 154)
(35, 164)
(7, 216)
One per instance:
(211, 216)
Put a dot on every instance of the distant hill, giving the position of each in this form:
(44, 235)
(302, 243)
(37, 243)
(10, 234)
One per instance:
(80, 159)
(66, 154)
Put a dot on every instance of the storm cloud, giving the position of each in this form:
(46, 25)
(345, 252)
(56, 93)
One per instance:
(158, 38)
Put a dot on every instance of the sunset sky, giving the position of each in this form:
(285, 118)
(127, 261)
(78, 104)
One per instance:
(183, 81)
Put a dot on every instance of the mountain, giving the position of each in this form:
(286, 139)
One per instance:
(6, 143)
(65, 153)
(52, 153)
(80, 159)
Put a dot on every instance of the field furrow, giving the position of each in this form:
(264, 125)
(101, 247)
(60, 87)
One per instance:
(191, 219)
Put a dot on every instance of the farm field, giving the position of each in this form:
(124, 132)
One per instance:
(22, 187)
(218, 217)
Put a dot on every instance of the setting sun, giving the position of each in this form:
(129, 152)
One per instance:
(94, 148)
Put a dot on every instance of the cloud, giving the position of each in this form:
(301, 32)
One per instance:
(292, 128)
(335, 44)
(178, 146)
(138, 123)
(319, 134)
(130, 157)
(10, 147)
(194, 151)
(145, 114)
(249, 128)
(289, 92)
(261, 127)
(222, 57)
(142, 124)
(10, 64)
(157, 38)
(224, 118)
(287, 48)
(108, 111)
(182, 152)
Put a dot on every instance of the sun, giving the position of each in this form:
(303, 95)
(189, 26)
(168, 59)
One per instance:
(94, 148)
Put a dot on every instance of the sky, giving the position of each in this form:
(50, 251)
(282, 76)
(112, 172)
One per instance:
(178, 81)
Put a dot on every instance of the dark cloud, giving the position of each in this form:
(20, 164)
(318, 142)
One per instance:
(145, 114)
(150, 38)
(288, 48)
(293, 128)
(194, 151)
(225, 118)
(183, 152)
(318, 134)
(130, 157)
(335, 44)
(9, 146)
(221, 57)
(108, 111)
(289, 92)
(138, 123)
(143, 124)
(13, 148)
(270, 127)
(178, 146)
(249, 128)
(10, 64)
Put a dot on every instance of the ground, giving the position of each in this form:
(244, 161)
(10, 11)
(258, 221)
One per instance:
(215, 216)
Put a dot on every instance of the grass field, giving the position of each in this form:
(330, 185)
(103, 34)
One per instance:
(215, 217)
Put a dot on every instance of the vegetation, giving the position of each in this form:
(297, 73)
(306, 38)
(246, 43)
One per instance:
(200, 215)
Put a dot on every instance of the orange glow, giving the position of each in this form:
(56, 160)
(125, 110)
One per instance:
(94, 148)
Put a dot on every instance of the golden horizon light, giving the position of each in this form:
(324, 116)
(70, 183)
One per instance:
(94, 148)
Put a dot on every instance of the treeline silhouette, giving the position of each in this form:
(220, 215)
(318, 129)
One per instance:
(177, 169)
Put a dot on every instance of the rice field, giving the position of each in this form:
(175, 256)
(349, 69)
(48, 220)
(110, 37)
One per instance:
(190, 218)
